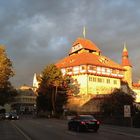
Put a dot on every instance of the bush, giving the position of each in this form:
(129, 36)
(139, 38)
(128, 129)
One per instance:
(43, 114)
(136, 120)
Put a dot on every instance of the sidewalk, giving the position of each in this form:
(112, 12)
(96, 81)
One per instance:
(121, 130)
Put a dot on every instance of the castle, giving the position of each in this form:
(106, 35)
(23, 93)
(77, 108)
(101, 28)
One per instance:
(96, 74)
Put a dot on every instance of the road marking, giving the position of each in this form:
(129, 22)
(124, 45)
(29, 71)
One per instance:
(38, 123)
(71, 133)
(26, 136)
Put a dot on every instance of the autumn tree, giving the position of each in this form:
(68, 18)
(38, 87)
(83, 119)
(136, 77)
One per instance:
(6, 72)
(52, 92)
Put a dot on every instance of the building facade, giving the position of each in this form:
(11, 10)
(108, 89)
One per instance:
(25, 101)
(95, 73)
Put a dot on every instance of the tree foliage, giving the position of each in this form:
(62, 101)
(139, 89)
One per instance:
(113, 104)
(6, 72)
(7, 94)
(73, 88)
(136, 119)
(52, 92)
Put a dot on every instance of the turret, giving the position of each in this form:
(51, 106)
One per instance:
(127, 66)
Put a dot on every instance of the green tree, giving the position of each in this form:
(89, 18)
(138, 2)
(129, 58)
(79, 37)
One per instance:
(6, 72)
(7, 94)
(52, 92)
(113, 104)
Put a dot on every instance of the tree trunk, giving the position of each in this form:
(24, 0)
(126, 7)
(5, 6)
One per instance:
(54, 96)
(53, 102)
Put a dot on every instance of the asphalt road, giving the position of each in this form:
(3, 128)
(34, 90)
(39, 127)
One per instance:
(52, 129)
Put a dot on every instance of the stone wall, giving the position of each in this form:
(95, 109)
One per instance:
(85, 103)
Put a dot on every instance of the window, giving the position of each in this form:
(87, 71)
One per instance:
(76, 69)
(115, 82)
(69, 70)
(108, 81)
(121, 72)
(83, 67)
(98, 68)
(117, 71)
(109, 70)
(94, 79)
(103, 60)
(92, 68)
(114, 71)
(99, 80)
(90, 78)
(103, 69)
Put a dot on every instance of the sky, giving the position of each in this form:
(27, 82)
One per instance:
(40, 32)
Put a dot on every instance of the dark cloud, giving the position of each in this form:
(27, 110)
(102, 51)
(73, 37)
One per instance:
(38, 32)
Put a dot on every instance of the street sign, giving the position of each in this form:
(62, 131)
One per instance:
(127, 111)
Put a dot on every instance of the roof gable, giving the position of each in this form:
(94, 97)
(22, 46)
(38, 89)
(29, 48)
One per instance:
(82, 43)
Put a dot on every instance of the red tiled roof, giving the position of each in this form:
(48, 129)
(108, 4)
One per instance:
(125, 53)
(87, 44)
(125, 59)
(87, 58)
(136, 85)
(126, 62)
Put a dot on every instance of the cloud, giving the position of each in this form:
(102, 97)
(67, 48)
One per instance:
(37, 33)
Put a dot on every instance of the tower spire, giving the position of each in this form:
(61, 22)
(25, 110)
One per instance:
(127, 66)
(84, 32)
(125, 57)
(124, 49)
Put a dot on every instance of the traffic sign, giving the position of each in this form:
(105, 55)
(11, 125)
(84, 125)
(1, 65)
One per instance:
(127, 111)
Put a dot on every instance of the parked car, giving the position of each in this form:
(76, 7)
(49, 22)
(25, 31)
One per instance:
(7, 115)
(1, 116)
(14, 116)
(83, 123)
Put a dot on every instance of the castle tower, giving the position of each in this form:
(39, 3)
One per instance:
(127, 66)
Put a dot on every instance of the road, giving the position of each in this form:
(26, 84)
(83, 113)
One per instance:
(53, 129)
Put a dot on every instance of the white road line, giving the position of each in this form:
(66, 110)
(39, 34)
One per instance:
(70, 133)
(26, 136)
(49, 125)
(46, 125)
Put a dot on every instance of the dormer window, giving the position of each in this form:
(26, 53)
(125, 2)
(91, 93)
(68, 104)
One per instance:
(85, 44)
(76, 48)
(103, 60)
(72, 60)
